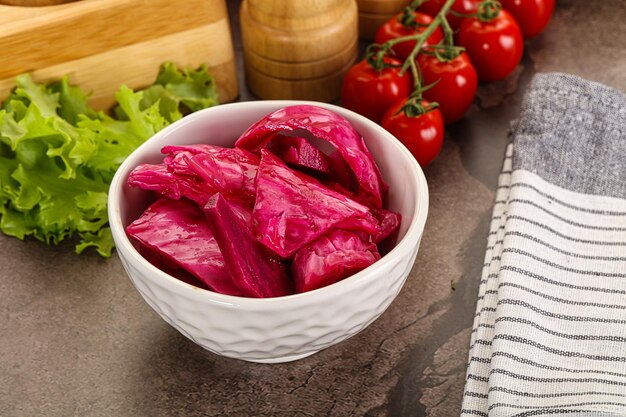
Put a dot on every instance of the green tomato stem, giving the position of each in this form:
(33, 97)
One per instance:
(377, 52)
(422, 37)
(448, 33)
(488, 10)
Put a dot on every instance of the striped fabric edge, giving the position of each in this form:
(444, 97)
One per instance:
(478, 371)
(570, 311)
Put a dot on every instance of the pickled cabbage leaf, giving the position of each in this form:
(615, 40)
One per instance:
(177, 230)
(331, 258)
(228, 171)
(157, 177)
(329, 126)
(256, 271)
(300, 154)
(292, 209)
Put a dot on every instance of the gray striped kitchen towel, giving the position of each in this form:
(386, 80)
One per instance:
(549, 336)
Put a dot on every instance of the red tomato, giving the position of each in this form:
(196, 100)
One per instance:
(394, 29)
(495, 47)
(532, 15)
(432, 7)
(370, 92)
(457, 84)
(422, 135)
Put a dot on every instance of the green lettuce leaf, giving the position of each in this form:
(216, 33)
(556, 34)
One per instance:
(58, 155)
(193, 89)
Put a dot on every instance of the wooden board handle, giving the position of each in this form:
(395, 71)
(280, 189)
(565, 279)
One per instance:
(36, 37)
(137, 65)
(34, 3)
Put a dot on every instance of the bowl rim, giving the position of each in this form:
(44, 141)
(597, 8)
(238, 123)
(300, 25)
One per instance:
(124, 244)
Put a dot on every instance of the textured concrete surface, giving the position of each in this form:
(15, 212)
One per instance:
(76, 338)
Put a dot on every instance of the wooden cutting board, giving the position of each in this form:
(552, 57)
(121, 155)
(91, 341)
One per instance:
(102, 44)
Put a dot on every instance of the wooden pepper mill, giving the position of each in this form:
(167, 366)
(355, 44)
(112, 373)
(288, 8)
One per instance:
(374, 13)
(298, 49)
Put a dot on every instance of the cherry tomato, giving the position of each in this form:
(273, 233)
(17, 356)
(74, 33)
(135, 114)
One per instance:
(495, 47)
(532, 15)
(394, 29)
(432, 7)
(422, 135)
(456, 87)
(370, 92)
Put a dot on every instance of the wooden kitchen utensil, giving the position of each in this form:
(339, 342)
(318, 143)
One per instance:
(301, 70)
(28, 3)
(102, 44)
(298, 49)
(326, 88)
(374, 13)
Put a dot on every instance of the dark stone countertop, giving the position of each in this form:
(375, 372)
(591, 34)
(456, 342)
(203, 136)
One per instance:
(77, 339)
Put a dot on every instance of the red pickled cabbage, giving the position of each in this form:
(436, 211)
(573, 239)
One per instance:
(388, 223)
(252, 214)
(169, 184)
(228, 171)
(231, 172)
(331, 258)
(292, 209)
(169, 267)
(176, 156)
(199, 171)
(323, 124)
(179, 233)
(256, 271)
(299, 153)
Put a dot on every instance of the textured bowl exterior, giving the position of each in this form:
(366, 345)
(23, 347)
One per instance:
(285, 328)
(290, 330)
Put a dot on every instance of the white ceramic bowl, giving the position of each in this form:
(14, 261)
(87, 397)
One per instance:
(284, 328)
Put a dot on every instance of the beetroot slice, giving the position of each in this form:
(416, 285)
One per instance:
(292, 209)
(323, 124)
(299, 153)
(331, 258)
(179, 233)
(169, 184)
(256, 271)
